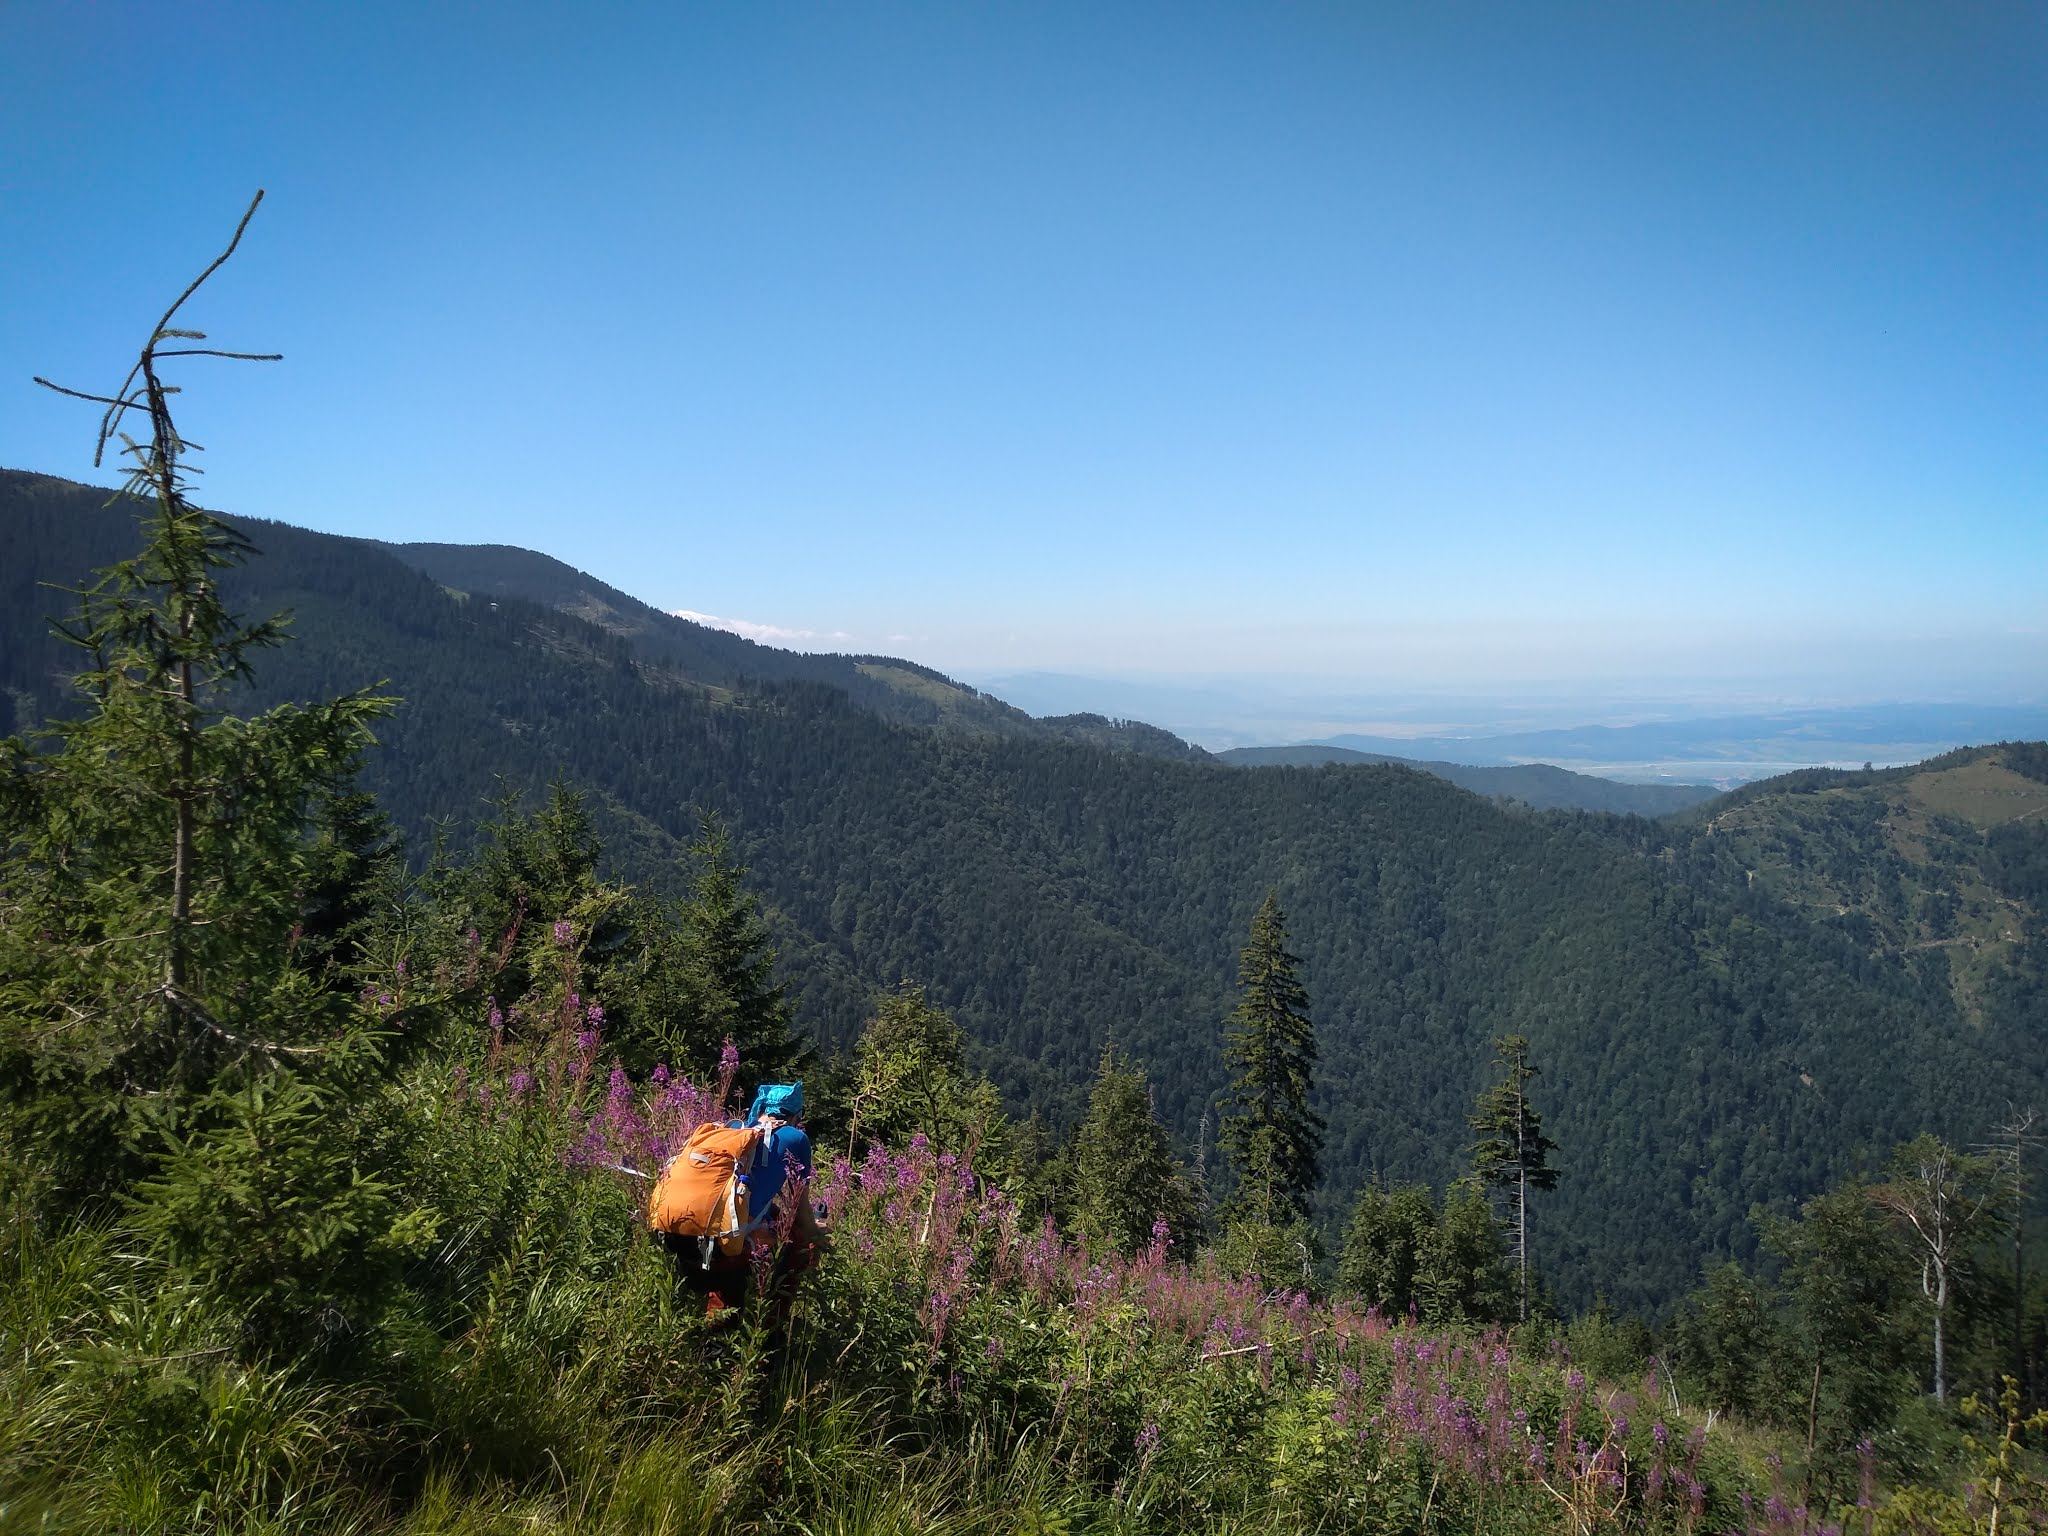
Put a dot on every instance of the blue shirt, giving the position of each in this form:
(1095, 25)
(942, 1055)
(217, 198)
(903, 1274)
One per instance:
(785, 1145)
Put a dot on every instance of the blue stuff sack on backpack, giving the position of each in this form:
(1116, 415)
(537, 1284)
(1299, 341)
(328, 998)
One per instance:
(783, 1100)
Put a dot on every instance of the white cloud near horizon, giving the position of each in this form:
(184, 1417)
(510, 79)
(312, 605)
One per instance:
(765, 634)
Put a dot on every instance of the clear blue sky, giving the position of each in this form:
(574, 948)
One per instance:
(1420, 343)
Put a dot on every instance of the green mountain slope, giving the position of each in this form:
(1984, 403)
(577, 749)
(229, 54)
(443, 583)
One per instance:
(887, 685)
(1705, 1044)
(1943, 865)
(1537, 785)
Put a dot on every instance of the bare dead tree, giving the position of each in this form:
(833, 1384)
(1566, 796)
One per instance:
(1944, 1199)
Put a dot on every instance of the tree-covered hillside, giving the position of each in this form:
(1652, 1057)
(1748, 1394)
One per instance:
(1705, 1045)
(1943, 866)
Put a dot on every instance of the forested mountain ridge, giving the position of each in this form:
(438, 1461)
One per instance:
(1704, 1045)
(891, 687)
(1944, 864)
(1541, 786)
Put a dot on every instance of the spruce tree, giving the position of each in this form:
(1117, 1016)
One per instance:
(153, 849)
(1270, 1134)
(1512, 1152)
(166, 1039)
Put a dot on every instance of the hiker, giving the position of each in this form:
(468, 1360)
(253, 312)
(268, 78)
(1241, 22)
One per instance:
(739, 1187)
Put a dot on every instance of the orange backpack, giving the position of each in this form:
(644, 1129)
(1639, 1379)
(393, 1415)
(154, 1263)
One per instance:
(702, 1192)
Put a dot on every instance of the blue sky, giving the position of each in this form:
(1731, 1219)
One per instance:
(1417, 346)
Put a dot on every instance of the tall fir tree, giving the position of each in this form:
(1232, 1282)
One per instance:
(1512, 1153)
(1271, 1135)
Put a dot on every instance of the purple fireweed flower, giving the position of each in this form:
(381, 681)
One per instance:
(1148, 1439)
(564, 933)
(659, 1076)
(401, 969)
(595, 1014)
(384, 998)
(993, 1353)
(521, 1083)
(587, 1040)
(1660, 1434)
(1620, 1427)
(1576, 1380)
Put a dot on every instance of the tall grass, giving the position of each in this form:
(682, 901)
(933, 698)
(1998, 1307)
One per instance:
(950, 1368)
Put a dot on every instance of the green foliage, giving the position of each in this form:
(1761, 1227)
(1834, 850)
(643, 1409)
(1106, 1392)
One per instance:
(1271, 1134)
(730, 969)
(1387, 1246)
(1465, 1276)
(1732, 1345)
(1123, 1173)
(178, 1024)
(908, 1079)
(1846, 1281)
(1512, 1153)
(263, 1206)
(1449, 1266)
(154, 862)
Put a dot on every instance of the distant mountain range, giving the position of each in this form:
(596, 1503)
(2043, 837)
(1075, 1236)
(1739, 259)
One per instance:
(1731, 1006)
(1737, 747)
(1655, 741)
(1537, 785)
